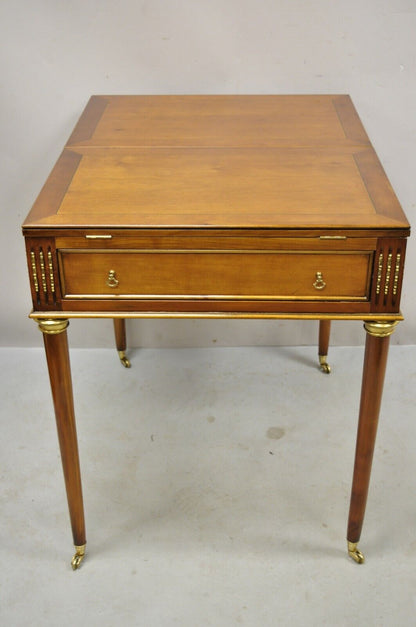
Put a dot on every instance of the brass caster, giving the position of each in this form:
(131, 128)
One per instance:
(354, 553)
(78, 557)
(124, 361)
(323, 365)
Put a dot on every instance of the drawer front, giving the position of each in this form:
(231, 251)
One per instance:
(215, 274)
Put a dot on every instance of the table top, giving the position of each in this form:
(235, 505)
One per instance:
(206, 162)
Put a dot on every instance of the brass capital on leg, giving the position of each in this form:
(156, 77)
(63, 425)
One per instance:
(381, 328)
(52, 326)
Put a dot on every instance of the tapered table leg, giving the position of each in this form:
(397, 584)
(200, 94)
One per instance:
(324, 332)
(57, 355)
(120, 334)
(375, 359)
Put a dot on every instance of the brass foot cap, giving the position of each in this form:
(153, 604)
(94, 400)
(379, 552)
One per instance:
(124, 361)
(323, 365)
(354, 553)
(78, 557)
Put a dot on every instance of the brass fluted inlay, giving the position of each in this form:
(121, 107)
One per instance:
(396, 274)
(388, 273)
(34, 271)
(43, 271)
(50, 266)
(379, 273)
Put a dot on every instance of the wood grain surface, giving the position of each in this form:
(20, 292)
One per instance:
(218, 161)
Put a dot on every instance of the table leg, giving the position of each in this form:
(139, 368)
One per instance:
(57, 355)
(324, 331)
(375, 360)
(120, 333)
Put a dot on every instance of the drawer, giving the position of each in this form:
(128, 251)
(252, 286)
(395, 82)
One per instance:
(205, 274)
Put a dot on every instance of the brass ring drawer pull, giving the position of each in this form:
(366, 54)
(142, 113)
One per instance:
(319, 283)
(111, 279)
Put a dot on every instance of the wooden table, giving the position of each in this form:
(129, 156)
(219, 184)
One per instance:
(217, 207)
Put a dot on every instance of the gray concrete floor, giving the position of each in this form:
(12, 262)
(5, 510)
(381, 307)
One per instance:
(216, 489)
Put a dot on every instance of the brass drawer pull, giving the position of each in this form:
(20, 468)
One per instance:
(319, 283)
(111, 279)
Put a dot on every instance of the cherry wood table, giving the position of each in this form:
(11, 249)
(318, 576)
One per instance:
(217, 207)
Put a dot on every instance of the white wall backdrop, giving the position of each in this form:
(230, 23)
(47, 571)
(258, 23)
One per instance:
(55, 53)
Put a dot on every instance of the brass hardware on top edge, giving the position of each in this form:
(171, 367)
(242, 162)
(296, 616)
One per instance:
(112, 281)
(381, 328)
(52, 327)
(332, 237)
(98, 236)
(319, 283)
